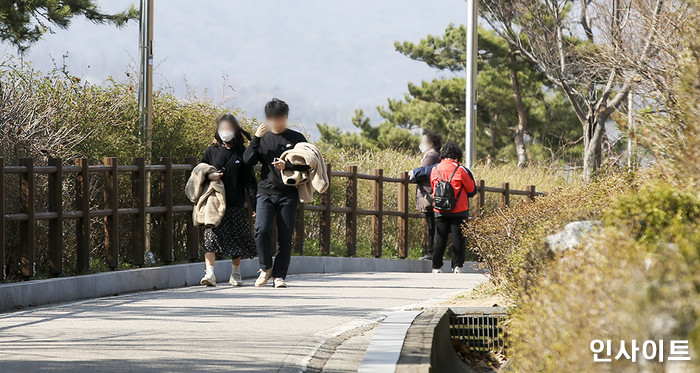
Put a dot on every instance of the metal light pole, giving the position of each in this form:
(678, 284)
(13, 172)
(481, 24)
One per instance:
(470, 112)
(145, 98)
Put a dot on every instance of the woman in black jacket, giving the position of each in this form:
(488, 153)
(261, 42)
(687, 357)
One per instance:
(232, 237)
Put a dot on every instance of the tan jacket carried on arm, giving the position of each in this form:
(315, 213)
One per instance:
(208, 196)
(316, 177)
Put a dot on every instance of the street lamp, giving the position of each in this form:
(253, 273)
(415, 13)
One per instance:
(145, 99)
(470, 110)
(145, 94)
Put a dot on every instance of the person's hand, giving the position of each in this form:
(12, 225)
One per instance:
(279, 164)
(261, 130)
(215, 176)
(254, 214)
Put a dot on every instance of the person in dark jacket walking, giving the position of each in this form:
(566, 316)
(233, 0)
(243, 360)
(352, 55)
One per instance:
(430, 144)
(449, 221)
(232, 237)
(275, 199)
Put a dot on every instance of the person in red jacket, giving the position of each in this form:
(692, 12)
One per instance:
(451, 221)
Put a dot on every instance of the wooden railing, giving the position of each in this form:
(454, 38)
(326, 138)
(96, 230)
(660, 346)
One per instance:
(27, 216)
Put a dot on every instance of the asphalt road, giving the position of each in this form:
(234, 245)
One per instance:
(210, 329)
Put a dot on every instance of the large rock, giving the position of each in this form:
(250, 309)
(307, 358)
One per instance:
(573, 236)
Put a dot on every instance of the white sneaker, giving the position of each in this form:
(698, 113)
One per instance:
(458, 270)
(436, 270)
(236, 279)
(208, 280)
(279, 283)
(263, 278)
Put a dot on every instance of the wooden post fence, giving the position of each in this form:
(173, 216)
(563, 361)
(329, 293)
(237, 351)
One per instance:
(112, 220)
(3, 265)
(532, 193)
(299, 228)
(403, 218)
(137, 212)
(56, 225)
(167, 223)
(26, 228)
(505, 196)
(351, 216)
(481, 198)
(325, 221)
(377, 217)
(82, 202)
(139, 231)
(193, 232)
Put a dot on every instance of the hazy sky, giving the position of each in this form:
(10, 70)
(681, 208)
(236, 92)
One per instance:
(324, 57)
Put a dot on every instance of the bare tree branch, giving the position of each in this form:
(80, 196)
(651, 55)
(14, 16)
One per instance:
(624, 91)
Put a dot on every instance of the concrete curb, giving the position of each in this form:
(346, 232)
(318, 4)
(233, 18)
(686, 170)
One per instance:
(428, 345)
(384, 350)
(318, 349)
(15, 296)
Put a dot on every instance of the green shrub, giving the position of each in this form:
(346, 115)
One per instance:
(510, 241)
(647, 213)
(639, 280)
(585, 295)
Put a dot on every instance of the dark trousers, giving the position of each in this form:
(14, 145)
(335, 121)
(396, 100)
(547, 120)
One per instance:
(284, 209)
(430, 220)
(444, 225)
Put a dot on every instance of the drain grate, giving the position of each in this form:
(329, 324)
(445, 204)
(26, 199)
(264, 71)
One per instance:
(481, 329)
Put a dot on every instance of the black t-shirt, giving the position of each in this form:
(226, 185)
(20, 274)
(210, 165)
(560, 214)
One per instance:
(264, 150)
(238, 175)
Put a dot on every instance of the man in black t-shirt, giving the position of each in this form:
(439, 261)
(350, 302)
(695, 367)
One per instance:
(274, 199)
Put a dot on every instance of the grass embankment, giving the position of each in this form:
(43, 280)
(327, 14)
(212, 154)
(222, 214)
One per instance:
(637, 278)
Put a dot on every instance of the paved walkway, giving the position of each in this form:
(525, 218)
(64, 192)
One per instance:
(209, 329)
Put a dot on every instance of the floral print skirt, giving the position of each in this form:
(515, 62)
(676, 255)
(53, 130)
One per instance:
(232, 238)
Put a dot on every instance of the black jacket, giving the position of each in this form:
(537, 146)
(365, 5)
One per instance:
(238, 175)
(264, 150)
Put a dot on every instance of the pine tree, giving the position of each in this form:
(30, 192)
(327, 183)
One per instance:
(504, 117)
(384, 136)
(514, 100)
(23, 23)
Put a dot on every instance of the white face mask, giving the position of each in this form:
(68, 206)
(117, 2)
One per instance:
(423, 147)
(226, 135)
